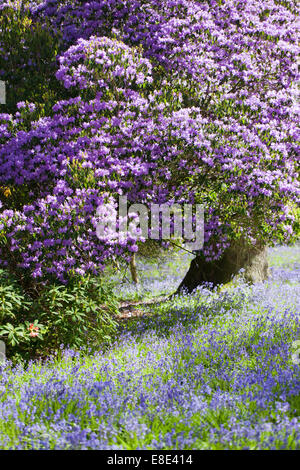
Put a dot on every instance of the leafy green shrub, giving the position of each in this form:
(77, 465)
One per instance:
(14, 306)
(78, 315)
(28, 60)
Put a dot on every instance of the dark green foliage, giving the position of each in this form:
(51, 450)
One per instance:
(28, 62)
(79, 315)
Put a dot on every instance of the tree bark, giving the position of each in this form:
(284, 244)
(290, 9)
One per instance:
(252, 258)
(133, 270)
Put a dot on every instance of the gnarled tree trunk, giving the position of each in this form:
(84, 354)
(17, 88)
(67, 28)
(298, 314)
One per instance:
(253, 259)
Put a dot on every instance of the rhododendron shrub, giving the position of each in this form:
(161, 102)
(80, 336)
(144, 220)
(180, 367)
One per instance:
(68, 165)
(166, 101)
(79, 314)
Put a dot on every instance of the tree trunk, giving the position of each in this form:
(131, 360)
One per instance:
(253, 259)
(133, 270)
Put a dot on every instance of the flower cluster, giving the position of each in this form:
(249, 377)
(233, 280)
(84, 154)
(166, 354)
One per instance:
(33, 330)
(93, 64)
